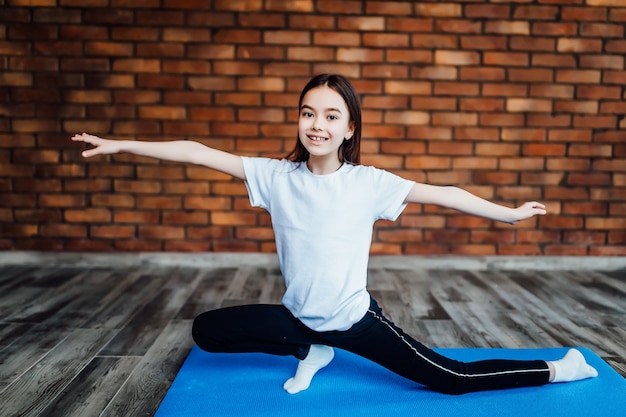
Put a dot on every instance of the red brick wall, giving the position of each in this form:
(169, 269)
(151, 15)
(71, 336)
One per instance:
(512, 100)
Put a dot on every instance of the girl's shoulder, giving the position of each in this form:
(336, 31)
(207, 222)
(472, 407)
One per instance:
(377, 177)
(368, 170)
(274, 165)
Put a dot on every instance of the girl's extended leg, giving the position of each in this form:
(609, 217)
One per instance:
(379, 340)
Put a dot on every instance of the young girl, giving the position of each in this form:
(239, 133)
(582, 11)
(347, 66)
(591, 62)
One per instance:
(323, 206)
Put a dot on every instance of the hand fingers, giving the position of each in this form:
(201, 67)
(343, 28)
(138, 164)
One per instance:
(84, 137)
(536, 204)
(90, 139)
(540, 208)
(87, 154)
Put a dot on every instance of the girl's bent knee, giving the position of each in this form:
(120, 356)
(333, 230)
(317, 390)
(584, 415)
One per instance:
(202, 333)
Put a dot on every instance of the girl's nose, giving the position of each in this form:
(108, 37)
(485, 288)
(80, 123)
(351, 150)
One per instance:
(317, 124)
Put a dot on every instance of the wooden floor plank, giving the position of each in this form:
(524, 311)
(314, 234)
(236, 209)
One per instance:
(274, 289)
(56, 290)
(142, 393)
(139, 334)
(415, 290)
(443, 333)
(125, 302)
(39, 386)
(9, 332)
(27, 350)
(93, 388)
(208, 294)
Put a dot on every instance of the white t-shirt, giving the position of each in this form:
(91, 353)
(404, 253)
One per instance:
(323, 229)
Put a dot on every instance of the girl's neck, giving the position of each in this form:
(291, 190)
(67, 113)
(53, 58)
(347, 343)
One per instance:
(323, 166)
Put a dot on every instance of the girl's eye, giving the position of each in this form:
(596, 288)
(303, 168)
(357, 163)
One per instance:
(332, 117)
(307, 114)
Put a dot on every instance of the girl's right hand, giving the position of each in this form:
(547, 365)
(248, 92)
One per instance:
(100, 146)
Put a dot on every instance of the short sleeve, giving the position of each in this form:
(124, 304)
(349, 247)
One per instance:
(391, 192)
(260, 176)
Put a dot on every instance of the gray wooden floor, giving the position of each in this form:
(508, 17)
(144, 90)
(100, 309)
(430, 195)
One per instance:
(108, 341)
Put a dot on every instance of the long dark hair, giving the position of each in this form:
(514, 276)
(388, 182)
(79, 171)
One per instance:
(350, 150)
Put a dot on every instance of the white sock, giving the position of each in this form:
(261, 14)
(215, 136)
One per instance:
(572, 367)
(318, 357)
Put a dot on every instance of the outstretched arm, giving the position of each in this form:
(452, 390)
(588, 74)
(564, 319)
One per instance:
(178, 151)
(461, 200)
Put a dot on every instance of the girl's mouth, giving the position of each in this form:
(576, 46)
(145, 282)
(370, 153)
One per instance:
(317, 138)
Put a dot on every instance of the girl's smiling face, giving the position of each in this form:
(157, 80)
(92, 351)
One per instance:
(324, 123)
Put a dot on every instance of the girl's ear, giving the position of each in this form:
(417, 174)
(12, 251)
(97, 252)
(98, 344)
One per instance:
(350, 131)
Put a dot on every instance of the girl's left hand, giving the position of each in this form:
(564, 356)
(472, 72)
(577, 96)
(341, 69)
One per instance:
(529, 209)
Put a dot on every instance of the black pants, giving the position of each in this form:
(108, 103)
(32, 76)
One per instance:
(273, 329)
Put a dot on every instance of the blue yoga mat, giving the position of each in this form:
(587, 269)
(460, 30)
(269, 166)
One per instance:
(250, 384)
